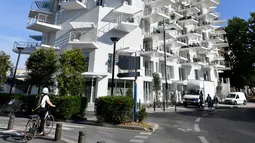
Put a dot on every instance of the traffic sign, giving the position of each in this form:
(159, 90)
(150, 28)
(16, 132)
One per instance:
(128, 74)
(129, 63)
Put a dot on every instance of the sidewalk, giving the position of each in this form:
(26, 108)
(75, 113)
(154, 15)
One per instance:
(18, 136)
(169, 109)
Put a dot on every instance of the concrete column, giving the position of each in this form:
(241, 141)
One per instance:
(92, 91)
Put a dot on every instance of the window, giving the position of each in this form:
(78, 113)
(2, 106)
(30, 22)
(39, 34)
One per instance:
(109, 63)
(182, 74)
(148, 91)
(148, 65)
(197, 74)
(86, 54)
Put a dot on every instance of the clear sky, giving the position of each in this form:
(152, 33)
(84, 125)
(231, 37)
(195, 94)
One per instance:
(14, 17)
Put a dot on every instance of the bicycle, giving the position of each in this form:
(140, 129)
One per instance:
(34, 120)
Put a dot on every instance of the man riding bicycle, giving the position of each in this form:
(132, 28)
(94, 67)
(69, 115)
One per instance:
(43, 110)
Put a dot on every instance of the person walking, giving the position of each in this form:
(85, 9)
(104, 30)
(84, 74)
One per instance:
(201, 101)
(216, 101)
(210, 102)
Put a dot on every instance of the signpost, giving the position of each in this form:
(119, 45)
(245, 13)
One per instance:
(130, 63)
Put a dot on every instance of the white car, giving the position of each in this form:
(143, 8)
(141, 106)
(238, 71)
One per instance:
(236, 98)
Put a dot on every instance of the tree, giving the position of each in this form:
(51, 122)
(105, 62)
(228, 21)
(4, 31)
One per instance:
(41, 67)
(241, 37)
(5, 62)
(156, 85)
(70, 80)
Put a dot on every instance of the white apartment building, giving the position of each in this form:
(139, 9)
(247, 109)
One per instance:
(192, 39)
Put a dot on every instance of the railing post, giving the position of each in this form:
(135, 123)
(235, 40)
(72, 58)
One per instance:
(82, 137)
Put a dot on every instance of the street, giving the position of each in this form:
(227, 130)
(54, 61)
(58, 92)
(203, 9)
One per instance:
(227, 124)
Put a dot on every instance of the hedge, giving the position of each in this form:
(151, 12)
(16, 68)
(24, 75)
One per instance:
(114, 109)
(67, 107)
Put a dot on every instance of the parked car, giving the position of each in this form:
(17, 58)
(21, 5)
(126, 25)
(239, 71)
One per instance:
(236, 98)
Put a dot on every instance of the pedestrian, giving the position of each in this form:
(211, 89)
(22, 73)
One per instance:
(201, 101)
(216, 101)
(210, 102)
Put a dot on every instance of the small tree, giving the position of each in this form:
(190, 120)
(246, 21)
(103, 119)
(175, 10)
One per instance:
(156, 85)
(41, 66)
(5, 63)
(70, 80)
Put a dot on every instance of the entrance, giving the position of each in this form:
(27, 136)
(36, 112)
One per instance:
(90, 90)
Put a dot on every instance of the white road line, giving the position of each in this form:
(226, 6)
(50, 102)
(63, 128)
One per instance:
(136, 141)
(198, 120)
(203, 139)
(196, 127)
(145, 133)
(141, 137)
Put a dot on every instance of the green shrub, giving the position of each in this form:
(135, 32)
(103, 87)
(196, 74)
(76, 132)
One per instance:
(142, 114)
(67, 106)
(114, 109)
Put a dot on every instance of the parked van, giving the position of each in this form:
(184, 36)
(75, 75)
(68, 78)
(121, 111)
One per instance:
(236, 98)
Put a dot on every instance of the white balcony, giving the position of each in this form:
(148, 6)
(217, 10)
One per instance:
(156, 15)
(126, 9)
(175, 14)
(37, 7)
(206, 3)
(126, 23)
(218, 31)
(217, 21)
(83, 40)
(173, 26)
(178, 43)
(187, 20)
(190, 9)
(73, 4)
(82, 25)
(193, 46)
(158, 3)
(215, 39)
(43, 23)
(157, 33)
(209, 15)
(206, 26)
(30, 47)
(190, 34)
(220, 44)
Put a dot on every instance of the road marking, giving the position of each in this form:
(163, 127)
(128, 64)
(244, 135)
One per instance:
(141, 137)
(198, 120)
(204, 115)
(203, 139)
(63, 139)
(136, 141)
(196, 127)
(145, 133)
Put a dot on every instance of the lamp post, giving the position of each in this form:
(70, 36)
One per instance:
(17, 63)
(114, 40)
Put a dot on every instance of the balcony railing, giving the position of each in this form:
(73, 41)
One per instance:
(162, 10)
(128, 18)
(44, 18)
(82, 1)
(193, 45)
(78, 36)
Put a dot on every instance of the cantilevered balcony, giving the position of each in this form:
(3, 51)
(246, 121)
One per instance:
(206, 3)
(193, 46)
(127, 23)
(156, 33)
(170, 25)
(206, 26)
(156, 15)
(217, 21)
(44, 7)
(83, 39)
(190, 34)
(158, 3)
(208, 16)
(73, 4)
(189, 9)
(30, 47)
(220, 44)
(193, 61)
(43, 23)
(218, 63)
(215, 39)
(188, 20)
(126, 8)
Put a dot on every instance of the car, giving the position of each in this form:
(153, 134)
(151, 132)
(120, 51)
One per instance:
(236, 98)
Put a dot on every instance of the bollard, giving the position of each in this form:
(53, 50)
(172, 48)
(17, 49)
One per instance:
(100, 141)
(58, 132)
(82, 137)
(11, 122)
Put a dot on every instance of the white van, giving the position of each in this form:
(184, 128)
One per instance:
(236, 98)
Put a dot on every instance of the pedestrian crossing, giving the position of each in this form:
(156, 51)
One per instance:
(140, 138)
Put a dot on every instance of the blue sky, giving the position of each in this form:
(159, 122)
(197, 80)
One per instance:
(14, 15)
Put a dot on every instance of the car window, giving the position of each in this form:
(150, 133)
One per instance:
(237, 96)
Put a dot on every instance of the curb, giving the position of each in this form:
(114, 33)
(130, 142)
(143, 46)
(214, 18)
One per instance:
(154, 128)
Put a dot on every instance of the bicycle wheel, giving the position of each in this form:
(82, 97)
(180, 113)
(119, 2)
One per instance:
(48, 125)
(31, 129)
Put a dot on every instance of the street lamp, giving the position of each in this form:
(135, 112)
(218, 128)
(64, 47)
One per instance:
(17, 63)
(114, 40)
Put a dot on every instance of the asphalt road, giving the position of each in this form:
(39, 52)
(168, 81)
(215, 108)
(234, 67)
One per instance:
(228, 124)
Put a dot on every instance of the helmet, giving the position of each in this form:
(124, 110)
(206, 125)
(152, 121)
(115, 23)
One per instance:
(45, 90)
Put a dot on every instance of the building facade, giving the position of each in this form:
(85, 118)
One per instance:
(192, 40)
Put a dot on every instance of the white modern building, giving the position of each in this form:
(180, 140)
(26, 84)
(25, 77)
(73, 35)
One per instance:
(193, 40)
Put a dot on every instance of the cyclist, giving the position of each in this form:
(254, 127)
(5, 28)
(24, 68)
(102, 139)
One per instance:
(43, 110)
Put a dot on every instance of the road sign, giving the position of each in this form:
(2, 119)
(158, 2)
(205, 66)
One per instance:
(128, 74)
(129, 63)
